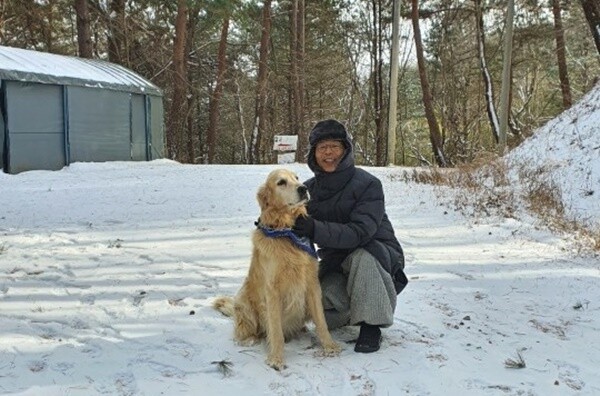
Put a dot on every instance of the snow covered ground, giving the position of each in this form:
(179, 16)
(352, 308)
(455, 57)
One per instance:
(107, 272)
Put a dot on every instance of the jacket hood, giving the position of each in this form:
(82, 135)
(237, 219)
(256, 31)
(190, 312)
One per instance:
(330, 130)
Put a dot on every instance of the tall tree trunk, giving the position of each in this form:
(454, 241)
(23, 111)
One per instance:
(177, 113)
(435, 135)
(591, 8)
(296, 79)
(506, 77)
(565, 86)
(2, 23)
(215, 100)
(191, 136)
(116, 32)
(301, 32)
(293, 73)
(262, 84)
(242, 122)
(48, 28)
(487, 79)
(377, 81)
(381, 136)
(393, 103)
(84, 39)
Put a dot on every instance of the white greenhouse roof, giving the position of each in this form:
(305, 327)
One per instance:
(25, 65)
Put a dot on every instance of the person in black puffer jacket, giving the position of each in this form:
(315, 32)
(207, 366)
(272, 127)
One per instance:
(361, 262)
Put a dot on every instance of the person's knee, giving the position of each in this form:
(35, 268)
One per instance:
(359, 258)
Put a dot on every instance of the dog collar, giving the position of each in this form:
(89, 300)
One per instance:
(303, 243)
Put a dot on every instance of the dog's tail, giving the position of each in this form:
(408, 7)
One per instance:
(224, 304)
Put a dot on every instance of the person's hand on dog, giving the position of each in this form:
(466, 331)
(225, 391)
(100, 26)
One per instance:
(304, 226)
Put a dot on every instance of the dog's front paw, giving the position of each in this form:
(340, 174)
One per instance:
(331, 349)
(276, 362)
(249, 341)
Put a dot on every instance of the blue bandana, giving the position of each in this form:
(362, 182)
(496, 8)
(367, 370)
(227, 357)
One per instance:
(303, 243)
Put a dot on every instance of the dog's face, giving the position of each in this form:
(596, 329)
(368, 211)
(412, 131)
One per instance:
(282, 198)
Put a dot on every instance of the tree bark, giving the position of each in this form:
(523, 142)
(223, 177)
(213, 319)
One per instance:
(293, 73)
(487, 79)
(506, 77)
(116, 32)
(435, 135)
(176, 126)
(563, 75)
(377, 80)
(242, 122)
(262, 84)
(84, 38)
(301, 32)
(591, 8)
(393, 102)
(215, 100)
(296, 78)
(190, 132)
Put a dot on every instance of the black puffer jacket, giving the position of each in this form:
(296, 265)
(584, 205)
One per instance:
(349, 210)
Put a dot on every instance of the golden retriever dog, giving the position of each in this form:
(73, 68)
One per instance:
(281, 292)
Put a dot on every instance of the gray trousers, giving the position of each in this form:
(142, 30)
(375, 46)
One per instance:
(364, 292)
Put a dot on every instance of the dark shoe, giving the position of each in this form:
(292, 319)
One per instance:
(369, 339)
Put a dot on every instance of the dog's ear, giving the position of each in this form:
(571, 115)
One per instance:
(263, 196)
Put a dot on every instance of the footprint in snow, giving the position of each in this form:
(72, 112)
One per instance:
(35, 366)
(568, 375)
(89, 299)
(122, 384)
(145, 257)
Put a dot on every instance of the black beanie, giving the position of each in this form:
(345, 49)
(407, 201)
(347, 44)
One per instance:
(329, 129)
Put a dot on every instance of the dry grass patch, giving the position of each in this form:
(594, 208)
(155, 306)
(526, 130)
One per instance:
(484, 188)
(481, 187)
(543, 198)
(517, 363)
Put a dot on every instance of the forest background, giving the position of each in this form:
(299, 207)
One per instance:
(236, 73)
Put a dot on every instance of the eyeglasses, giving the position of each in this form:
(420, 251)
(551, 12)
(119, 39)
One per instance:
(333, 147)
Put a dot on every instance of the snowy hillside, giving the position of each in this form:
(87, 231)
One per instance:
(565, 153)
